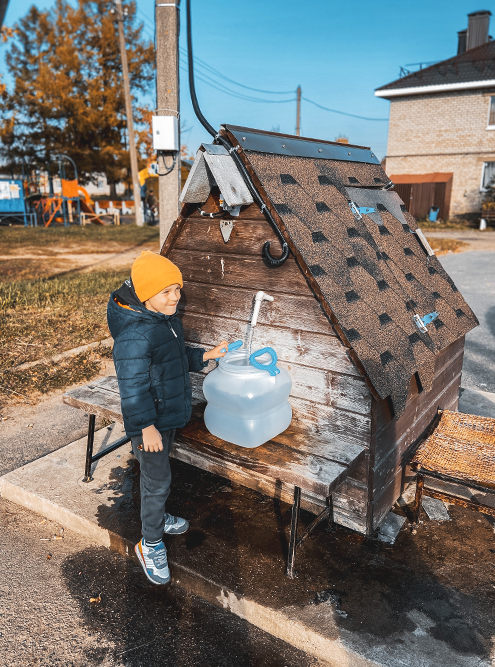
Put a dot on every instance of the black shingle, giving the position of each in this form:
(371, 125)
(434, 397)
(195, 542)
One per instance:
(403, 208)
(382, 285)
(283, 209)
(317, 270)
(352, 261)
(438, 324)
(353, 179)
(287, 179)
(386, 357)
(436, 295)
(384, 318)
(406, 228)
(352, 232)
(409, 277)
(414, 338)
(377, 180)
(351, 296)
(352, 335)
(383, 230)
(380, 207)
(318, 237)
(432, 270)
(324, 180)
(460, 313)
(408, 251)
(321, 207)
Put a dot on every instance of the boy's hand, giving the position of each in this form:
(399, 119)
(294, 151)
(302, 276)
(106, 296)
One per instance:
(216, 352)
(152, 439)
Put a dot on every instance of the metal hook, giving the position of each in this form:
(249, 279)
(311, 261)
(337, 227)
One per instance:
(275, 262)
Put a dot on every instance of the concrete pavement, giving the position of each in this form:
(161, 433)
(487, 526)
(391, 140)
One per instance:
(474, 274)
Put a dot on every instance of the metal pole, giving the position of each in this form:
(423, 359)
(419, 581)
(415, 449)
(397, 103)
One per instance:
(298, 113)
(128, 111)
(291, 558)
(167, 19)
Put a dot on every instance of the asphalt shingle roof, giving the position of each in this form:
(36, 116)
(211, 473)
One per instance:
(373, 271)
(477, 64)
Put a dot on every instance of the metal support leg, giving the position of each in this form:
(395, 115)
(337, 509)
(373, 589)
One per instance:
(89, 448)
(293, 532)
(420, 481)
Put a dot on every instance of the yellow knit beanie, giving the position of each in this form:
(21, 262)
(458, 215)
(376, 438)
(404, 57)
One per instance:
(150, 273)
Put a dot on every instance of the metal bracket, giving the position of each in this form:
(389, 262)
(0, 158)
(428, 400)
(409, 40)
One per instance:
(421, 322)
(359, 211)
(226, 227)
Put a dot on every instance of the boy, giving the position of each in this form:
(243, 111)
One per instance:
(152, 364)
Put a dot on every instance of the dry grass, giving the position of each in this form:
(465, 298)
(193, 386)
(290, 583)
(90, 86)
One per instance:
(76, 239)
(24, 386)
(41, 318)
(428, 226)
(444, 246)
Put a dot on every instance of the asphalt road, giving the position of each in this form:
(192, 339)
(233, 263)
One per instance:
(474, 274)
(66, 602)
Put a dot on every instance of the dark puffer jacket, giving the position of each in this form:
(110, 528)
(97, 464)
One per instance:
(152, 364)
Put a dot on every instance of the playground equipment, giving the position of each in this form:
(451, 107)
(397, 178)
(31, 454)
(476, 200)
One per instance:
(73, 204)
(13, 204)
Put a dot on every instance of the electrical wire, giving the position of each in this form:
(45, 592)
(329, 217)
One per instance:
(215, 84)
(342, 113)
(205, 65)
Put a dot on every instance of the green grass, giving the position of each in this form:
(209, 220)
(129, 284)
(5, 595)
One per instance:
(96, 237)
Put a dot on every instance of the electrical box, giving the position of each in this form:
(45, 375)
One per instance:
(165, 133)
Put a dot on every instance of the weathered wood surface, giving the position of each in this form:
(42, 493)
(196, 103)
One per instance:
(228, 178)
(389, 477)
(395, 439)
(313, 473)
(420, 408)
(247, 238)
(288, 459)
(294, 312)
(291, 345)
(331, 402)
(95, 400)
(244, 271)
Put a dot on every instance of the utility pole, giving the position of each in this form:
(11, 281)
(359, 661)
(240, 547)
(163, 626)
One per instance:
(298, 113)
(128, 112)
(167, 102)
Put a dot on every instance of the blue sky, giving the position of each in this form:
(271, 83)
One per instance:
(338, 52)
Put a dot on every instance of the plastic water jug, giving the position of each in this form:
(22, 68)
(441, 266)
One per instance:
(247, 398)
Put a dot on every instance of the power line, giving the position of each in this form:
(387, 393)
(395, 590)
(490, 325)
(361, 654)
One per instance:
(342, 113)
(205, 65)
(232, 93)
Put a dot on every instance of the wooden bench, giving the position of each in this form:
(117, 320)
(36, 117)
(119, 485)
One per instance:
(288, 460)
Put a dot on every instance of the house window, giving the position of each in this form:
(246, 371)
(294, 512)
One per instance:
(491, 113)
(488, 174)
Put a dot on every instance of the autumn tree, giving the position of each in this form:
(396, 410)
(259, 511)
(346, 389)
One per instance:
(67, 93)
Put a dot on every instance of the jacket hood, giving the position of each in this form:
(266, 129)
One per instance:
(128, 310)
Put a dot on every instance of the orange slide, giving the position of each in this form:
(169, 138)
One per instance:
(72, 189)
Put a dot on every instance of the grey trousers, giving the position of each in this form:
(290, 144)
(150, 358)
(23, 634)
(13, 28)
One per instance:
(154, 481)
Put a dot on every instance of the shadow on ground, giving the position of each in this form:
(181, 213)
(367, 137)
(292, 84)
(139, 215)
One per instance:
(436, 580)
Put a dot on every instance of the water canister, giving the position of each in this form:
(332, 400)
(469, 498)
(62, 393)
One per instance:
(247, 398)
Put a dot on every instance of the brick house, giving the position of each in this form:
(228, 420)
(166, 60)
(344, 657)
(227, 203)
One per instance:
(442, 127)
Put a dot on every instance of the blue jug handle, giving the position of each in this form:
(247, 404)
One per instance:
(271, 367)
(231, 347)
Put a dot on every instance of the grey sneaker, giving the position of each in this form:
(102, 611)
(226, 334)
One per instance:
(154, 562)
(174, 525)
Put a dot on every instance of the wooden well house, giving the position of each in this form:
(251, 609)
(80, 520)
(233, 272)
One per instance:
(364, 318)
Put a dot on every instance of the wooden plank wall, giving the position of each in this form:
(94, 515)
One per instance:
(330, 400)
(394, 439)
